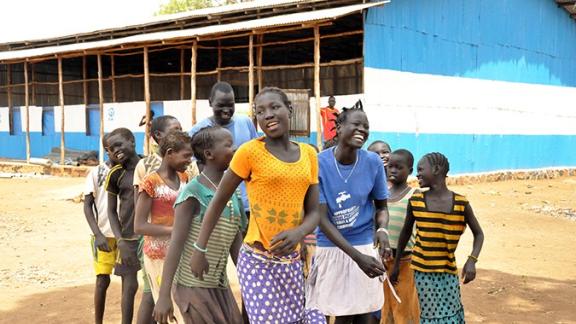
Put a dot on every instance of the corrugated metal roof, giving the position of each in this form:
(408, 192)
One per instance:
(277, 21)
(220, 10)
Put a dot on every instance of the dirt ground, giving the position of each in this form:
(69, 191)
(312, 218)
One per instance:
(526, 272)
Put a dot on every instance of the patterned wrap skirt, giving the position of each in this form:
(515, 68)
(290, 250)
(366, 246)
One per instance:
(439, 297)
(273, 288)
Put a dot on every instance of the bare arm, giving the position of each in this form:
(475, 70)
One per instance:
(141, 224)
(226, 189)
(469, 270)
(89, 214)
(381, 219)
(113, 215)
(184, 214)
(235, 247)
(99, 239)
(371, 266)
(402, 241)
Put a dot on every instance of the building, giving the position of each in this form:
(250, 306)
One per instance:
(489, 83)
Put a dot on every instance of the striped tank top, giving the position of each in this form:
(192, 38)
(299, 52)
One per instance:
(231, 221)
(397, 212)
(437, 234)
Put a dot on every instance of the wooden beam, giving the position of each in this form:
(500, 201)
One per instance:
(100, 107)
(62, 114)
(219, 74)
(147, 99)
(251, 79)
(317, 85)
(193, 80)
(27, 104)
(32, 85)
(112, 74)
(84, 82)
(181, 74)
(259, 61)
(9, 97)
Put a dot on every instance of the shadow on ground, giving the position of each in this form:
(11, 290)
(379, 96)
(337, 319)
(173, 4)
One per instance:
(494, 297)
(498, 297)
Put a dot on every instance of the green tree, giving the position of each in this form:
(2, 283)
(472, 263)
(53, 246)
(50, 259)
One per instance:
(174, 6)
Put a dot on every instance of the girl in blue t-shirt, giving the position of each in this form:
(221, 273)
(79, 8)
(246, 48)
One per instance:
(343, 281)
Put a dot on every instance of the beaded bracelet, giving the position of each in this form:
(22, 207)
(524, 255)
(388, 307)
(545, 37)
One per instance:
(473, 258)
(205, 250)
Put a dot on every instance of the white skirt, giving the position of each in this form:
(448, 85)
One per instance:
(338, 287)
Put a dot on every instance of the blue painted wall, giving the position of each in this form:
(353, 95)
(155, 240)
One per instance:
(530, 41)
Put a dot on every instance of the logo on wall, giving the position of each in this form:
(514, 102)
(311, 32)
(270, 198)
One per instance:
(111, 113)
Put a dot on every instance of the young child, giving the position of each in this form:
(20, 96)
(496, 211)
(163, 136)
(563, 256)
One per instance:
(103, 243)
(400, 166)
(121, 145)
(382, 149)
(441, 217)
(207, 299)
(159, 127)
(354, 216)
(158, 192)
(282, 185)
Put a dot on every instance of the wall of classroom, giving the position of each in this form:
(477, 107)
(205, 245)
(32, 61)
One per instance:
(490, 83)
(82, 124)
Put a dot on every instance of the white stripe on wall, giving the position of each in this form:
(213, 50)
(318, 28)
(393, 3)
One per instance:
(421, 103)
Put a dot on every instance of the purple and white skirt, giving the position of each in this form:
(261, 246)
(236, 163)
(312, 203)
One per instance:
(273, 288)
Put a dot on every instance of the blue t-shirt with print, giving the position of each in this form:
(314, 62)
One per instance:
(240, 126)
(351, 205)
(242, 130)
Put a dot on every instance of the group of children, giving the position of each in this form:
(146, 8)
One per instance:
(383, 249)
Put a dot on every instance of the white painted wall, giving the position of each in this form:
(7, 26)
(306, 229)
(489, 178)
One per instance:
(74, 118)
(421, 103)
(4, 121)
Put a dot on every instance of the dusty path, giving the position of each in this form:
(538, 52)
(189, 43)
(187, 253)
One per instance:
(526, 273)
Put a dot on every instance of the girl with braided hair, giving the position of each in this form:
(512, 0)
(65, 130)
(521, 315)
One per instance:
(344, 279)
(441, 216)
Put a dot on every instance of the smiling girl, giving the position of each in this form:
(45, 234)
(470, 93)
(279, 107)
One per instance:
(354, 216)
(282, 183)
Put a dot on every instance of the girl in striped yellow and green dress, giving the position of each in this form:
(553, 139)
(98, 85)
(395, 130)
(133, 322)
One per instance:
(207, 298)
(441, 216)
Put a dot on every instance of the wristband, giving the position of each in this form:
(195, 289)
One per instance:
(475, 259)
(199, 248)
(382, 229)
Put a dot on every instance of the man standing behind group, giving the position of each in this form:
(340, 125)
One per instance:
(329, 115)
(222, 102)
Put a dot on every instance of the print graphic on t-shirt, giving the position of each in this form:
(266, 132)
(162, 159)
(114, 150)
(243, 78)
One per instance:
(344, 218)
(342, 197)
(101, 175)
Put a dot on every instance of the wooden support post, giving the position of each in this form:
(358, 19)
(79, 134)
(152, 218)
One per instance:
(113, 78)
(9, 97)
(33, 84)
(62, 114)
(193, 80)
(317, 85)
(181, 74)
(219, 75)
(259, 61)
(251, 79)
(147, 99)
(27, 104)
(84, 82)
(100, 105)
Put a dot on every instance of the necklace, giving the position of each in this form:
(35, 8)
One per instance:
(338, 169)
(229, 204)
(212, 183)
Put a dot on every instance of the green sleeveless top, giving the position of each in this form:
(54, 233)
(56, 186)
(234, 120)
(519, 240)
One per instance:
(230, 222)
